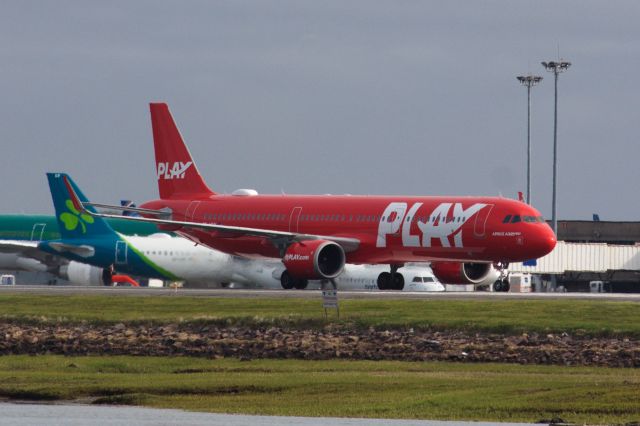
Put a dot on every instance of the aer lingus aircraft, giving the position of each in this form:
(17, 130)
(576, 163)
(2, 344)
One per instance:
(92, 245)
(21, 234)
(466, 239)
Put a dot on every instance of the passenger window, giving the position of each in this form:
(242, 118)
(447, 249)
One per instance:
(516, 219)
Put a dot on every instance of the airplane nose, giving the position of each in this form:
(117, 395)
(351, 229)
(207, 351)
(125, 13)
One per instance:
(546, 242)
(550, 242)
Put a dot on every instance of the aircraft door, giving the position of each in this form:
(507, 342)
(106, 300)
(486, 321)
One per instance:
(121, 253)
(190, 214)
(480, 225)
(294, 219)
(37, 232)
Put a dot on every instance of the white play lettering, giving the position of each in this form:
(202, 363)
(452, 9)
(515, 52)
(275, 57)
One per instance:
(440, 224)
(176, 171)
(409, 240)
(390, 224)
(437, 227)
(162, 167)
(458, 211)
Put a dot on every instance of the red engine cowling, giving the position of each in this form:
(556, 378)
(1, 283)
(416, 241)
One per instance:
(465, 273)
(314, 259)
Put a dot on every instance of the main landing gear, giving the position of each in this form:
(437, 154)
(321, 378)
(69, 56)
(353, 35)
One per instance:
(391, 280)
(288, 282)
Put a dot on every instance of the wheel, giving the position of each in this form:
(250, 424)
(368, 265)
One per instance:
(397, 281)
(286, 280)
(384, 281)
(300, 284)
(497, 286)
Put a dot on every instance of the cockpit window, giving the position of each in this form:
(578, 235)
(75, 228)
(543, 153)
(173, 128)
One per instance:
(517, 218)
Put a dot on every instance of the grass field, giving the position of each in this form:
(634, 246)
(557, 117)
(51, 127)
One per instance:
(591, 317)
(489, 392)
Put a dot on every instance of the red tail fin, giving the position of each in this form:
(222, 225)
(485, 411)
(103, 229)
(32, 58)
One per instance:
(178, 176)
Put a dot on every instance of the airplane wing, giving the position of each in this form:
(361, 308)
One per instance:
(278, 238)
(348, 244)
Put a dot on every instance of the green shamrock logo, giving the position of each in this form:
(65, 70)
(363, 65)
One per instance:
(71, 220)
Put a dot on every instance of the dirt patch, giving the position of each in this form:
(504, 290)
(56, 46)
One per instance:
(329, 343)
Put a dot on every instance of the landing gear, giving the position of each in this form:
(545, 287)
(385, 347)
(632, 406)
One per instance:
(501, 285)
(300, 284)
(288, 282)
(384, 281)
(391, 280)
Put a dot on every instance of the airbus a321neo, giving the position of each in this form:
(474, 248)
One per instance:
(465, 238)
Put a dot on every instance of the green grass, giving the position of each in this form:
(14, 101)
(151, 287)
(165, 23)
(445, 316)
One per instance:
(590, 317)
(489, 392)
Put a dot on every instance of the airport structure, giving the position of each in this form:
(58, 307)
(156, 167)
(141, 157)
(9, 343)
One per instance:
(590, 256)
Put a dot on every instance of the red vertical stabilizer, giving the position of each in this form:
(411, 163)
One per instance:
(177, 174)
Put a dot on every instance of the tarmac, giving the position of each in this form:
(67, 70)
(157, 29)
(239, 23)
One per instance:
(306, 294)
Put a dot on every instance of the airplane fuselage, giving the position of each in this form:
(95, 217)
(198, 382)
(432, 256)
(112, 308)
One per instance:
(391, 230)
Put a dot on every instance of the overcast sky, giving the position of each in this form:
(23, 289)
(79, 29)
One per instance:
(360, 97)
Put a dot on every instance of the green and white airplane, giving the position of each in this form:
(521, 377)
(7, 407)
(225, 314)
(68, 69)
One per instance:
(20, 235)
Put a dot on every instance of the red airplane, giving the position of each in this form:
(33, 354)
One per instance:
(464, 238)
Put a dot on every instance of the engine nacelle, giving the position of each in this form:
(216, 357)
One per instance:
(83, 274)
(314, 260)
(466, 273)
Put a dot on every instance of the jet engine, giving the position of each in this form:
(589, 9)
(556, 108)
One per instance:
(83, 274)
(314, 260)
(466, 273)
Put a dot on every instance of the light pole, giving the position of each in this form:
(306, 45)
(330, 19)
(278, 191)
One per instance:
(556, 67)
(529, 81)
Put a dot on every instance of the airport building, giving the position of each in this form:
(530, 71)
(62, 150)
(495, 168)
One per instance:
(590, 256)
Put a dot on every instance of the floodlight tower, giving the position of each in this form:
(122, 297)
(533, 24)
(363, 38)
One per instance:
(529, 81)
(556, 67)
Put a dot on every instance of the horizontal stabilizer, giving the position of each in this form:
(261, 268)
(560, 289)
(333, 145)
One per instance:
(17, 246)
(81, 250)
